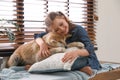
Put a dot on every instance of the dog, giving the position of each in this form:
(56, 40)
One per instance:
(26, 54)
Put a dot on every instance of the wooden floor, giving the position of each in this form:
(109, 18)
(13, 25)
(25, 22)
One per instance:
(110, 75)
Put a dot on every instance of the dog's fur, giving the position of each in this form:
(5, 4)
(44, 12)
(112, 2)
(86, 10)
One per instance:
(26, 54)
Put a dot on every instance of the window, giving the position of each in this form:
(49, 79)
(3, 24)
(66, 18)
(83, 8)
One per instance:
(30, 15)
(7, 11)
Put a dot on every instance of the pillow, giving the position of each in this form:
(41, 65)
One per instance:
(51, 64)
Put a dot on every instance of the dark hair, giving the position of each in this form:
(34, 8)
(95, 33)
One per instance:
(50, 18)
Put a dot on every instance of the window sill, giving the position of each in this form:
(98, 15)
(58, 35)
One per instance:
(6, 51)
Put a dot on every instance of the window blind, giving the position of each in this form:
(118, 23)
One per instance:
(7, 10)
(30, 15)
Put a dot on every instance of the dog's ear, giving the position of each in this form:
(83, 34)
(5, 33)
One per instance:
(46, 37)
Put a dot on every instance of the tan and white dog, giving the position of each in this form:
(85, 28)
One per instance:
(26, 54)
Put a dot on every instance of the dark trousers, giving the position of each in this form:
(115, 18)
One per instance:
(79, 63)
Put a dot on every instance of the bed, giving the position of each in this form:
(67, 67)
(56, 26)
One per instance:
(109, 71)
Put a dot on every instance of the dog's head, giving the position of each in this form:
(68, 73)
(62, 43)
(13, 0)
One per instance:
(55, 40)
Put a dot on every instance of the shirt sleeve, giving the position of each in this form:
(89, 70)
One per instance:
(39, 35)
(83, 37)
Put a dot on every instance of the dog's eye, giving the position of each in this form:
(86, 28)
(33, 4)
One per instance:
(60, 41)
(53, 41)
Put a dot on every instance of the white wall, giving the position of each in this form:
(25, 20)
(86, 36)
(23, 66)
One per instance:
(108, 30)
